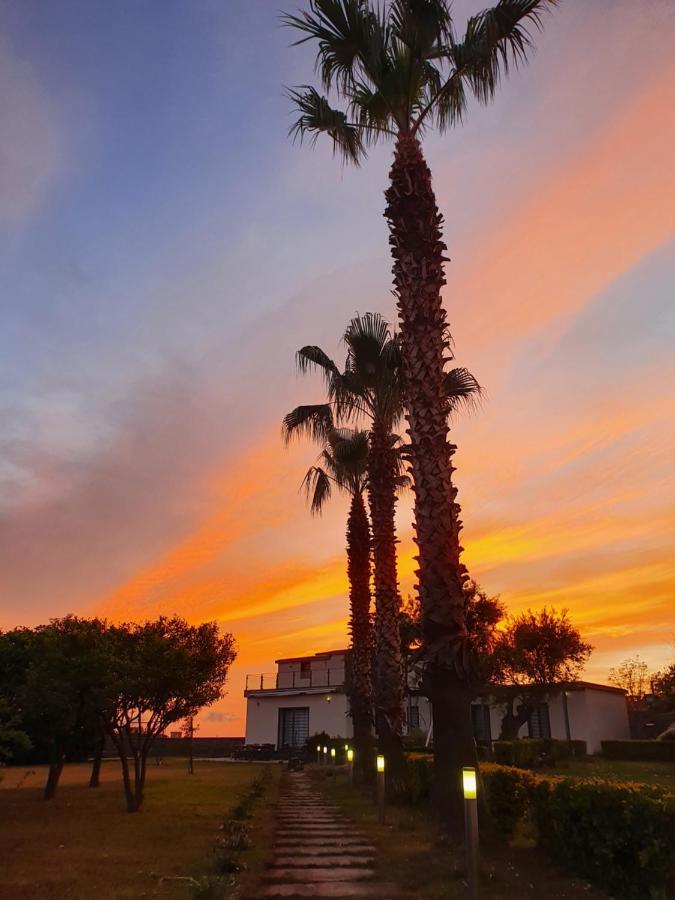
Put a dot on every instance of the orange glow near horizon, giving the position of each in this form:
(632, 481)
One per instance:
(166, 488)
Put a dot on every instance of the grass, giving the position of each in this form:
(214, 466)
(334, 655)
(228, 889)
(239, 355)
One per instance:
(83, 844)
(659, 773)
(412, 851)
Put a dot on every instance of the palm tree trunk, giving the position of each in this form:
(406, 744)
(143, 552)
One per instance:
(418, 258)
(388, 664)
(361, 630)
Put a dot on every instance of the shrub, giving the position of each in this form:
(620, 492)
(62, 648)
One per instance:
(532, 753)
(644, 750)
(418, 775)
(617, 835)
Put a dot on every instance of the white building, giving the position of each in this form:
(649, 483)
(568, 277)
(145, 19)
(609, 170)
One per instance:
(306, 695)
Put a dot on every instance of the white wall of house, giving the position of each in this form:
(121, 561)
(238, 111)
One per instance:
(262, 715)
(595, 715)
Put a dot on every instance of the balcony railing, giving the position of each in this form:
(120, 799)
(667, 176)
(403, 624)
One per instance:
(281, 681)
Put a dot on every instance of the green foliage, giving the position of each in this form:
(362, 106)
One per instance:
(418, 776)
(532, 753)
(400, 68)
(657, 750)
(616, 835)
(13, 739)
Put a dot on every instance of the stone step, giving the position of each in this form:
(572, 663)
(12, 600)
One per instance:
(333, 850)
(334, 890)
(323, 861)
(318, 874)
(326, 841)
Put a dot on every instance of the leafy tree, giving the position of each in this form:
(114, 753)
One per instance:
(343, 464)
(633, 676)
(160, 672)
(536, 654)
(13, 739)
(483, 615)
(54, 677)
(370, 388)
(397, 69)
(663, 687)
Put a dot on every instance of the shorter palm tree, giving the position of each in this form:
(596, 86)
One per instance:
(343, 464)
(371, 389)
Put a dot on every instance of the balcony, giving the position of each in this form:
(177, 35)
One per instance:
(299, 681)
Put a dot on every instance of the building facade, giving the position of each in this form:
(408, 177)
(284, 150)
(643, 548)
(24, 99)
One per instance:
(307, 695)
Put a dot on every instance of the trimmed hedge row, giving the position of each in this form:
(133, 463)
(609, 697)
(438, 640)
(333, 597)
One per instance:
(640, 750)
(619, 835)
(532, 753)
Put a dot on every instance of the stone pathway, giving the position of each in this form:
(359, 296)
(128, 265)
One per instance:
(317, 852)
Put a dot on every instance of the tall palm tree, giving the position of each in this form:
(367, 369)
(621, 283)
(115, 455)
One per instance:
(343, 464)
(397, 69)
(371, 389)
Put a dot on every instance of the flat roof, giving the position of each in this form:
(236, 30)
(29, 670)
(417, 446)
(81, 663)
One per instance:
(324, 655)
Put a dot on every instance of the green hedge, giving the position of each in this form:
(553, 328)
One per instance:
(532, 753)
(618, 835)
(645, 750)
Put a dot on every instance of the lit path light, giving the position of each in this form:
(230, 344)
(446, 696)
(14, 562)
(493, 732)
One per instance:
(380, 789)
(318, 754)
(325, 755)
(471, 829)
(333, 755)
(350, 762)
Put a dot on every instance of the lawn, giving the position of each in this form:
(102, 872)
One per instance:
(659, 773)
(412, 852)
(83, 844)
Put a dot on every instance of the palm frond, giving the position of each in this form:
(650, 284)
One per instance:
(317, 487)
(421, 24)
(461, 388)
(347, 32)
(317, 117)
(312, 357)
(313, 421)
(496, 39)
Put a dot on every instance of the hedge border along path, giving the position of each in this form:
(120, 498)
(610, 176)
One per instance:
(619, 835)
(317, 852)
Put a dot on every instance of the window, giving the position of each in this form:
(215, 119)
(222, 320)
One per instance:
(539, 724)
(413, 718)
(305, 669)
(293, 727)
(480, 718)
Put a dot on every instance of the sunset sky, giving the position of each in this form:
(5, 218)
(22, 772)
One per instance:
(164, 250)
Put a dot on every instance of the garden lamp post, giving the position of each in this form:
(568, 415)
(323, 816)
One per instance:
(333, 755)
(350, 762)
(325, 755)
(471, 827)
(380, 789)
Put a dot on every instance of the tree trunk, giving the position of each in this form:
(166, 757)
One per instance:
(56, 760)
(95, 779)
(417, 249)
(512, 721)
(388, 663)
(126, 780)
(361, 630)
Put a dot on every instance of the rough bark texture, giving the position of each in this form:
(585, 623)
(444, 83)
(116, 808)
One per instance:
(418, 254)
(95, 779)
(388, 664)
(361, 630)
(56, 760)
